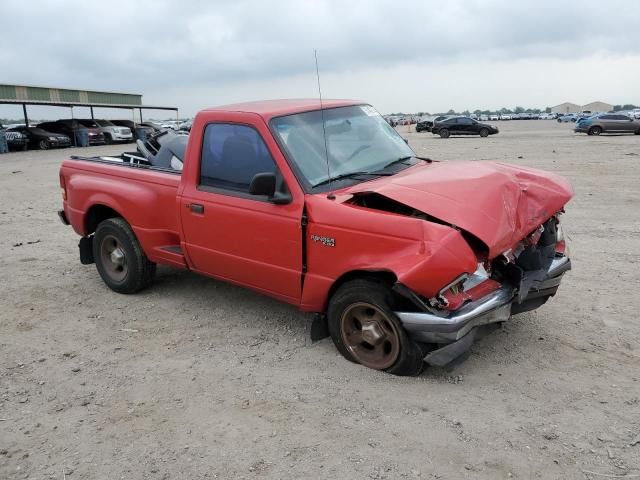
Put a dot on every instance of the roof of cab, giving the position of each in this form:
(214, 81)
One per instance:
(275, 108)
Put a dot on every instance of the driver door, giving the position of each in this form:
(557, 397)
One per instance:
(231, 234)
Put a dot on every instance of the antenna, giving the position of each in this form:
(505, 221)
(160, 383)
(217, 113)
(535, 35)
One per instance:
(330, 196)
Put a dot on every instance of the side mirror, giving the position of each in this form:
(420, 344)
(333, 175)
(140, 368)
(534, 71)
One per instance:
(265, 184)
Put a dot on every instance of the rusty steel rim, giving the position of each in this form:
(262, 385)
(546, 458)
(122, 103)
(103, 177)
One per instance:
(370, 336)
(114, 259)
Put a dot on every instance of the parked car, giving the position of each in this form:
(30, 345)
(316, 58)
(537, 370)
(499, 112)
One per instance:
(462, 126)
(39, 138)
(132, 126)
(391, 121)
(494, 117)
(154, 125)
(400, 256)
(484, 118)
(70, 126)
(607, 123)
(505, 116)
(635, 113)
(185, 126)
(569, 117)
(426, 123)
(15, 140)
(112, 132)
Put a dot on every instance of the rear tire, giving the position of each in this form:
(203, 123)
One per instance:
(119, 258)
(595, 131)
(365, 330)
(444, 133)
(484, 132)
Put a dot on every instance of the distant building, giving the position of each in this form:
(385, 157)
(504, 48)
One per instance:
(597, 107)
(566, 107)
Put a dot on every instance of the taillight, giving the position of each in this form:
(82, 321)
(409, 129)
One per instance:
(63, 188)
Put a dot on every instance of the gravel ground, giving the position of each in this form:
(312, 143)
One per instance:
(194, 378)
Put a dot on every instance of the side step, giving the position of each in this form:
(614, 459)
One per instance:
(173, 254)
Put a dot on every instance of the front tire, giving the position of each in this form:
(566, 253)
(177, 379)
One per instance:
(107, 139)
(484, 132)
(444, 133)
(595, 131)
(119, 258)
(43, 145)
(365, 330)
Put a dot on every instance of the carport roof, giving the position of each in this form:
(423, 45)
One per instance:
(65, 97)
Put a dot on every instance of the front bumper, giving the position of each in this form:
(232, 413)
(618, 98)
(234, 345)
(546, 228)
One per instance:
(581, 129)
(457, 330)
(122, 137)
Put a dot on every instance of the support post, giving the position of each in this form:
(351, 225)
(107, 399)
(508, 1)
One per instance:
(140, 115)
(26, 118)
(91, 108)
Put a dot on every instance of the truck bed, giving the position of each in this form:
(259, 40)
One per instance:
(147, 194)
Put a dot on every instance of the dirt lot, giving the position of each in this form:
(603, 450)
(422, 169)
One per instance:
(195, 379)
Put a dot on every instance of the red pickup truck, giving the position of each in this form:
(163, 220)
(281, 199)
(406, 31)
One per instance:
(327, 208)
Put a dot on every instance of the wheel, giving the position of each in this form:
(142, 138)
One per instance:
(365, 330)
(444, 133)
(484, 132)
(595, 131)
(559, 121)
(119, 258)
(638, 132)
(107, 139)
(43, 144)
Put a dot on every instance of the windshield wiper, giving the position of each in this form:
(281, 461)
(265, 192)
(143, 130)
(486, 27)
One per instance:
(351, 174)
(397, 160)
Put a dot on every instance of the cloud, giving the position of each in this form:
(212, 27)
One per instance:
(169, 46)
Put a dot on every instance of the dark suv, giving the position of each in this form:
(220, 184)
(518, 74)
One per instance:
(462, 126)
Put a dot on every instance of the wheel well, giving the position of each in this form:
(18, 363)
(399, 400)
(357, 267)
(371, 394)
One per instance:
(384, 276)
(97, 214)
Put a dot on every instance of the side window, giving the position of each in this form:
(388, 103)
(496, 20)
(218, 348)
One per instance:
(606, 117)
(232, 155)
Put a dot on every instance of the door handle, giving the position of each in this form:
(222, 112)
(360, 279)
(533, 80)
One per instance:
(196, 207)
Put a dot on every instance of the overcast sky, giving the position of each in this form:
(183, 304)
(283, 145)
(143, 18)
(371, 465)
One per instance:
(398, 55)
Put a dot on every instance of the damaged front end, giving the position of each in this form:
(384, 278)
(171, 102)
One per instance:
(520, 279)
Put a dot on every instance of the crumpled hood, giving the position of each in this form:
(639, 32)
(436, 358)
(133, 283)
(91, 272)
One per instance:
(498, 203)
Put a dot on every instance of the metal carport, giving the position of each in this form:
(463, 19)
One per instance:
(64, 97)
